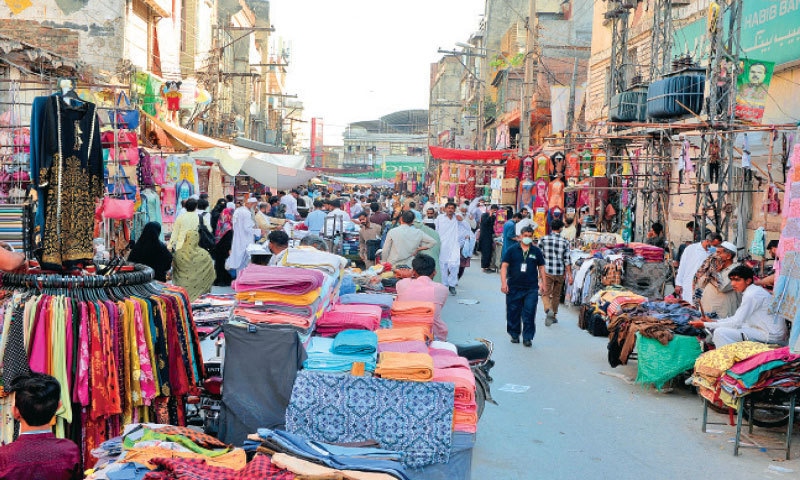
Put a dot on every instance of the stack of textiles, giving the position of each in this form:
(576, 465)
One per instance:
(410, 346)
(11, 230)
(712, 365)
(417, 367)
(282, 296)
(338, 355)
(650, 253)
(613, 302)
(312, 459)
(161, 450)
(346, 408)
(343, 317)
(413, 314)
(311, 258)
(777, 368)
(383, 300)
(118, 359)
(403, 334)
(449, 367)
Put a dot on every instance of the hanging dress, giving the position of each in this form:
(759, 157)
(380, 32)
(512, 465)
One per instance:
(541, 162)
(599, 163)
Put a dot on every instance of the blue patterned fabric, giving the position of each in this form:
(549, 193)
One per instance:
(415, 418)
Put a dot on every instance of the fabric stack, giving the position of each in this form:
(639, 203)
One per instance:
(404, 334)
(413, 314)
(450, 367)
(383, 300)
(339, 354)
(344, 317)
(306, 459)
(650, 253)
(162, 451)
(417, 367)
(281, 295)
(711, 366)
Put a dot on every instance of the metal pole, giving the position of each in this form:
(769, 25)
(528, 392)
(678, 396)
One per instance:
(571, 111)
(529, 83)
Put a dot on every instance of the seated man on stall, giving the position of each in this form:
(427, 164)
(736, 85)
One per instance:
(422, 288)
(752, 320)
(712, 284)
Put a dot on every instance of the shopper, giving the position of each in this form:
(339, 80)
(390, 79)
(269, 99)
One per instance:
(691, 260)
(216, 212)
(290, 202)
(378, 216)
(222, 249)
(421, 288)
(187, 221)
(555, 250)
(37, 453)
(192, 267)
(752, 320)
(369, 237)
(244, 233)
(520, 271)
(447, 226)
(150, 250)
(315, 221)
(486, 238)
(405, 241)
(510, 231)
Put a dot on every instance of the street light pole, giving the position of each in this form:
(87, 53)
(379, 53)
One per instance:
(530, 81)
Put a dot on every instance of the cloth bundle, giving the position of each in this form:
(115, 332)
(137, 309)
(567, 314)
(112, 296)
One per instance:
(311, 258)
(449, 367)
(355, 342)
(322, 358)
(712, 365)
(417, 367)
(772, 369)
(285, 280)
(274, 317)
(411, 346)
(403, 334)
(413, 314)
(343, 317)
(265, 297)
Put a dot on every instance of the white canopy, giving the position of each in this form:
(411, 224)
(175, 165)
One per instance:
(268, 169)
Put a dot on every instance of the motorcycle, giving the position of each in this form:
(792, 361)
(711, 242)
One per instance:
(479, 355)
(203, 409)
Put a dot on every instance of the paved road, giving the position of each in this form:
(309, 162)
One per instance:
(576, 423)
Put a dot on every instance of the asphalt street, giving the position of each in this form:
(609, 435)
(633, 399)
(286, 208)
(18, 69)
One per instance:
(565, 417)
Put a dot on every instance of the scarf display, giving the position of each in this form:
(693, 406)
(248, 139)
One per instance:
(193, 268)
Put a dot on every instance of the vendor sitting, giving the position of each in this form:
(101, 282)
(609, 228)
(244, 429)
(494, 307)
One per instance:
(752, 320)
(712, 280)
(422, 288)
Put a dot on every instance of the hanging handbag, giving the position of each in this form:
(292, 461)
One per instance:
(128, 148)
(124, 117)
(120, 186)
(117, 208)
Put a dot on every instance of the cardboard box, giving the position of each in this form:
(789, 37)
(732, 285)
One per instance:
(509, 185)
(508, 198)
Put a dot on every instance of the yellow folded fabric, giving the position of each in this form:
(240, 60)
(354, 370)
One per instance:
(403, 334)
(273, 297)
(236, 459)
(715, 362)
(417, 367)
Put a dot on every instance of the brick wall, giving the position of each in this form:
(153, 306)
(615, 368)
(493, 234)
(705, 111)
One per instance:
(58, 40)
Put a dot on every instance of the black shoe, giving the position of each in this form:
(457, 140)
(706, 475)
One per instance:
(452, 290)
(527, 343)
(515, 340)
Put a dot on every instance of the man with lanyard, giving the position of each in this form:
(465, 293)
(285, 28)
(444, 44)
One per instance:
(522, 266)
(556, 263)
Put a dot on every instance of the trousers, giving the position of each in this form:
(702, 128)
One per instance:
(521, 303)
(553, 284)
(449, 273)
(727, 335)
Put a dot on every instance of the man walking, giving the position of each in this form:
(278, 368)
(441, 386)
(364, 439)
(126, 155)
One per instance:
(486, 238)
(447, 225)
(555, 250)
(522, 266)
(405, 241)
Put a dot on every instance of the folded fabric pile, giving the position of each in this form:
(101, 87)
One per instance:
(417, 367)
(290, 281)
(349, 342)
(322, 358)
(650, 253)
(449, 367)
(261, 467)
(413, 314)
(148, 447)
(410, 346)
(383, 300)
(274, 317)
(313, 459)
(344, 317)
(712, 365)
(311, 258)
(403, 334)
(777, 368)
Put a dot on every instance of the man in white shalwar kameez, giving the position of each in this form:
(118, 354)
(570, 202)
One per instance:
(447, 226)
(244, 234)
(693, 257)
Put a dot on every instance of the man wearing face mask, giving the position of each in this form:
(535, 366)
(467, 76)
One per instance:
(522, 267)
(691, 260)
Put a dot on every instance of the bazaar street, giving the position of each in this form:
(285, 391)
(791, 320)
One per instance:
(574, 422)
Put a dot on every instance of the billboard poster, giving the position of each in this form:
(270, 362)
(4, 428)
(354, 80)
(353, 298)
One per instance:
(752, 86)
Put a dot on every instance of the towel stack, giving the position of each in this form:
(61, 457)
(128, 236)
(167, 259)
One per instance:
(383, 300)
(338, 354)
(449, 367)
(346, 317)
(413, 314)
(417, 367)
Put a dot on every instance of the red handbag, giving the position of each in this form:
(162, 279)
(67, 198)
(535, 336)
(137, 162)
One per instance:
(117, 208)
(127, 151)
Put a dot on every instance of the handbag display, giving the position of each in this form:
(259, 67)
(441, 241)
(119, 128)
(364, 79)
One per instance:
(120, 186)
(124, 117)
(117, 208)
(128, 148)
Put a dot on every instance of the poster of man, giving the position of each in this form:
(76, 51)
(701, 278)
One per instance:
(752, 86)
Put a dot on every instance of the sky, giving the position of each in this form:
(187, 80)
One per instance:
(354, 60)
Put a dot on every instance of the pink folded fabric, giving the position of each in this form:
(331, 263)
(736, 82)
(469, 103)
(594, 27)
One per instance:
(464, 381)
(285, 280)
(412, 346)
(349, 317)
(447, 360)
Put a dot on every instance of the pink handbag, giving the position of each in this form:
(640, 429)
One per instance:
(127, 151)
(117, 208)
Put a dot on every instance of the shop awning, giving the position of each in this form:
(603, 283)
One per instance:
(375, 182)
(186, 137)
(441, 153)
(237, 161)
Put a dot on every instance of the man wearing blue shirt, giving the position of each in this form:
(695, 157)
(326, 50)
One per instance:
(523, 265)
(316, 219)
(510, 231)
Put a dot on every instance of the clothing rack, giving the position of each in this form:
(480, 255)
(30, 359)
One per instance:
(141, 275)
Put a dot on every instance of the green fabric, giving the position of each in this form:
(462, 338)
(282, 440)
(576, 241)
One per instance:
(750, 378)
(659, 363)
(179, 439)
(192, 267)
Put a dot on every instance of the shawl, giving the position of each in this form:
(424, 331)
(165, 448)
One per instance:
(150, 251)
(224, 223)
(193, 268)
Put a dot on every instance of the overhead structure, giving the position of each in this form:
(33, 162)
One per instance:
(661, 46)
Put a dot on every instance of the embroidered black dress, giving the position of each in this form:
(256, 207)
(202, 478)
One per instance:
(71, 179)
